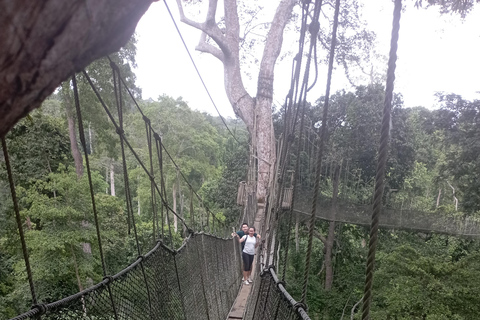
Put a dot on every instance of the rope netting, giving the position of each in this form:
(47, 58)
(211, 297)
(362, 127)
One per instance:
(270, 300)
(200, 280)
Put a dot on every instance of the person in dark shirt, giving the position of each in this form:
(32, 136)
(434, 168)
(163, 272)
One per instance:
(244, 231)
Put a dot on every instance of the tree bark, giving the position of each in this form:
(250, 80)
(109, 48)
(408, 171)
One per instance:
(44, 42)
(112, 179)
(72, 132)
(438, 197)
(138, 209)
(297, 243)
(90, 143)
(174, 195)
(331, 232)
(256, 112)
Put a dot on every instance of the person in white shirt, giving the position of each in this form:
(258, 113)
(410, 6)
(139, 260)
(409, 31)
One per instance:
(251, 243)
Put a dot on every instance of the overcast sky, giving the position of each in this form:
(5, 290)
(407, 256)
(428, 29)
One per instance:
(436, 53)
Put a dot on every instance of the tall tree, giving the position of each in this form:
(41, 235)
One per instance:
(256, 112)
(230, 41)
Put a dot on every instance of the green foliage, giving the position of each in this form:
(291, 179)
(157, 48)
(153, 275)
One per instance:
(426, 284)
(37, 147)
(56, 205)
(432, 154)
(459, 121)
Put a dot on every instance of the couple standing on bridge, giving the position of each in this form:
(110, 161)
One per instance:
(250, 241)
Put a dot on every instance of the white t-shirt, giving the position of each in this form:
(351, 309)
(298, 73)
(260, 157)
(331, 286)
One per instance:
(249, 244)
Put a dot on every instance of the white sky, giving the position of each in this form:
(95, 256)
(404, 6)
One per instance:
(436, 53)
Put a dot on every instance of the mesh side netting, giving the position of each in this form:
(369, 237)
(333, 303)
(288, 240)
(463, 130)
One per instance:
(198, 281)
(270, 300)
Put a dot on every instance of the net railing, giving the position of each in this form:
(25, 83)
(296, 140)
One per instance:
(200, 280)
(270, 300)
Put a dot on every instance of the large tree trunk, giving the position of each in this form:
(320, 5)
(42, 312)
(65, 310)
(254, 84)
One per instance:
(256, 112)
(72, 131)
(106, 179)
(44, 42)
(265, 140)
(331, 232)
(328, 256)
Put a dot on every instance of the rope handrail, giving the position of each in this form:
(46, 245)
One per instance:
(276, 302)
(297, 164)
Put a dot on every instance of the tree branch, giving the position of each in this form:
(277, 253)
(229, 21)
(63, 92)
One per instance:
(204, 46)
(212, 10)
(232, 24)
(455, 200)
(209, 27)
(352, 313)
(273, 46)
(345, 307)
(186, 20)
(319, 236)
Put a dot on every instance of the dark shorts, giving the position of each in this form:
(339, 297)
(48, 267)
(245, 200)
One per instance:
(247, 261)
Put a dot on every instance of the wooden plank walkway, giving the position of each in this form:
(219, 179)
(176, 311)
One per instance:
(240, 305)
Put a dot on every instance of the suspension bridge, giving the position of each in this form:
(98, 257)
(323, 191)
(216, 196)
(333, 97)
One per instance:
(393, 218)
(202, 279)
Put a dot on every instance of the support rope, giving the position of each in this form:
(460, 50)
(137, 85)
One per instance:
(323, 139)
(120, 132)
(290, 135)
(19, 221)
(314, 28)
(81, 132)
(146, 119)
(118, 96)
(382, 161)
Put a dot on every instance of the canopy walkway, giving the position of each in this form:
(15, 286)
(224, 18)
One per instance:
(201, 279)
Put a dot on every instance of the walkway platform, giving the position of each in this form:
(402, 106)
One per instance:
(240, 305)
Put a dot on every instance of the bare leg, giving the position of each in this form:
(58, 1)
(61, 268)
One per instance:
(250, 272)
